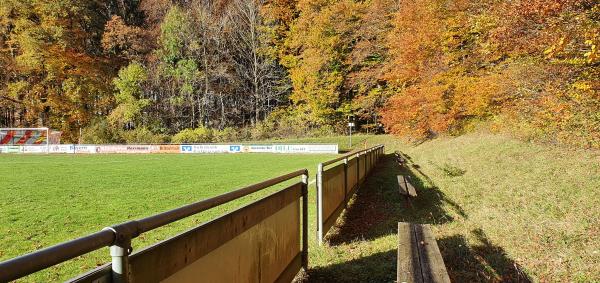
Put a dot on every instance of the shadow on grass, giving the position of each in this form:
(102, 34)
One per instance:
(480, 262)
(378, 206)
(362, 269)
(375, 212)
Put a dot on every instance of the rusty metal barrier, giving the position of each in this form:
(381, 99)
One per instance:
(338, 183)
(267, 240)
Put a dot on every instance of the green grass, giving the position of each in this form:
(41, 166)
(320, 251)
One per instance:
(47, 199)
(502, 211)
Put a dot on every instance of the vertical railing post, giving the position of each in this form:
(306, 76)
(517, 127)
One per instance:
(358, 169)
(119, 252)
(305, 220)
(346, 182)
(320, 204)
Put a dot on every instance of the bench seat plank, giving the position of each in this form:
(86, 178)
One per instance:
(432, 263)
(405, 187)
(408, 255)
(419, 258)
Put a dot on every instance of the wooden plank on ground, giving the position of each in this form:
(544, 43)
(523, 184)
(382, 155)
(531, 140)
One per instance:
(405, 187)
(411, 189)
(409, 269)
(432, 264)
(402, 186)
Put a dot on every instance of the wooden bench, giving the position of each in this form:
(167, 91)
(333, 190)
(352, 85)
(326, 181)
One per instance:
(405, 187)
(400, 159)
(419, 258)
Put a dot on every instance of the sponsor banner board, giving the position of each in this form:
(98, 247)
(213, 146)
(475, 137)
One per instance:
(85, 149)
(130, 148)
(13, 149)
(33, 149)
(174, 148)
(169, 148)
(210, 148)
(305, 148)
(62, 148)
(258, 148)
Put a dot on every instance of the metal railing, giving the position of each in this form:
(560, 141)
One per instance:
(337, 184)
(119, 237)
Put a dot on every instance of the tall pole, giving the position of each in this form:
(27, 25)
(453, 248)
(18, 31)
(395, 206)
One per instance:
(350, 135)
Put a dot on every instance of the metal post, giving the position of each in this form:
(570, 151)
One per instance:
(305, 220)
(320, 204)
(350, 127)
(119, 252)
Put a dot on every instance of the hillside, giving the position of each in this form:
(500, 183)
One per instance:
(502, 211)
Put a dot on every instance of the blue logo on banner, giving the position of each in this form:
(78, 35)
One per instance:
(235, 148)
(186, 148)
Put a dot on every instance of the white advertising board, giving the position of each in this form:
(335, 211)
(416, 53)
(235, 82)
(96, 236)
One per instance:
(258, 148)
(130, 148)
(210, 148)
(184, 148)
(305, 148)
(34, 149)
(62, 148)
(85, 149)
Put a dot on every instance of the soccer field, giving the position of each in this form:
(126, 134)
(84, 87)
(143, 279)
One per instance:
(47, 199)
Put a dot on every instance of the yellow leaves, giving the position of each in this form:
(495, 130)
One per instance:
(593, 55)
(556, 48)
(16, 89)
(582, 85)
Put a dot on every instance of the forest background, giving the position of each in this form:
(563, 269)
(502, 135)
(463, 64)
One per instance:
(152, 71)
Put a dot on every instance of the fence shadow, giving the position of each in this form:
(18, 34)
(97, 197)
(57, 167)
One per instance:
(375, 212)
(378, 206)
(481, 262)
(379, 267)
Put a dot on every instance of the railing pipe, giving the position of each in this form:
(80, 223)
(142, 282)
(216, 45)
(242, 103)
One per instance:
(26, 264)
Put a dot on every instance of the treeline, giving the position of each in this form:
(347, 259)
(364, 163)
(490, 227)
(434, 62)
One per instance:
(147, 70)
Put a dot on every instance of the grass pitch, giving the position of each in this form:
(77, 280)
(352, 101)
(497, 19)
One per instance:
(48, 199)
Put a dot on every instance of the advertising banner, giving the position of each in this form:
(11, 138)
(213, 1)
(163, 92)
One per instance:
(33, 149)
(169, 148)
(13, 149)
(262, 148)
(85, 149)
(127, 148)
(62, 148)
(306, 148)
(174, 148)
(210, 148)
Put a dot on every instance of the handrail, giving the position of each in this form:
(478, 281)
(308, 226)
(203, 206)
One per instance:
(29, 263)
(349, 155)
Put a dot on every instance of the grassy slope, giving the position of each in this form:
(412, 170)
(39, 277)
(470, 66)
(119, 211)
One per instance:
(47, 199)
(502, 210)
